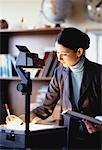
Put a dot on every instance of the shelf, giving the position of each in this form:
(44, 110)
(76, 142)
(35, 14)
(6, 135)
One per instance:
(9, 38)
(94, 30)
(33, 31)
(34, 79)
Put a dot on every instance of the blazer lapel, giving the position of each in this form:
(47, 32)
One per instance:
(87, 77)
(66, 91)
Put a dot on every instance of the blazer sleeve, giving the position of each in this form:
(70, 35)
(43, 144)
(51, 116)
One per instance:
(51, 99)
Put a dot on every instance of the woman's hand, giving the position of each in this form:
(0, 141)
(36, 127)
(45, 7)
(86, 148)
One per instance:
(92, 127)
(14, 120)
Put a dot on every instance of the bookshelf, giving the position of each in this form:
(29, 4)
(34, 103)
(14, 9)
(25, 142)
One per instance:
(29, 38)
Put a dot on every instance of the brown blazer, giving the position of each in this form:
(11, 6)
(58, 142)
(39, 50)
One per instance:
(90, 101)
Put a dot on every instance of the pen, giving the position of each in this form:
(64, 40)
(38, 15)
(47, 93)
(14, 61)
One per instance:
(8, 113)
(7, 109)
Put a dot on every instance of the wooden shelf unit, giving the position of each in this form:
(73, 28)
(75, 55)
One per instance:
(9, 93)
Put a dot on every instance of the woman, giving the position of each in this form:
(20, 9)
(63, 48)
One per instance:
(77, 83)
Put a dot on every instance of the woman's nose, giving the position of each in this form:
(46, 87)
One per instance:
(59, 57)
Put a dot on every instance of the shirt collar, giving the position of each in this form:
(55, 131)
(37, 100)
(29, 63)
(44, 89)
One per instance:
(79, 66)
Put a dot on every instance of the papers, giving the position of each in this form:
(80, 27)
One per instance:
(99, 118)
(33, 127)
(15, 123)
(82, 116)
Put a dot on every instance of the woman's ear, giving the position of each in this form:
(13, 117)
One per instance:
(80, 52)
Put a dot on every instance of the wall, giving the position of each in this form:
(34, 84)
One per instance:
(14, 10)
(35, 43)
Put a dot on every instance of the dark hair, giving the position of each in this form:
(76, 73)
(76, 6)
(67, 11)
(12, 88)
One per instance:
(73, 38)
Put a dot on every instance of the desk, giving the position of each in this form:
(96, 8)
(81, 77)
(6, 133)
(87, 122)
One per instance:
(52, 137)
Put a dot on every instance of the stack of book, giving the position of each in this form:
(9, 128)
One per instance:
(41, 94)
(7, 65)
(51, 62)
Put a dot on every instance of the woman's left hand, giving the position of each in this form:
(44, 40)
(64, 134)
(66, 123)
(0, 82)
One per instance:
(92, 127)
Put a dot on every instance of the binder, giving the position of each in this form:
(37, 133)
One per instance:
(81, 116)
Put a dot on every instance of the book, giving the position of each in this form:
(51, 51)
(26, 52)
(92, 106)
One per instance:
(48, 64)
(12, 59)
(9, 66)
(41, 71)
(33, 72)
(81, 116)
(41, 94)
(54, 65)
(5, 66)
(51, 61)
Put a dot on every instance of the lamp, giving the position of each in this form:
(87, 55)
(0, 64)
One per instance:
(26, 59)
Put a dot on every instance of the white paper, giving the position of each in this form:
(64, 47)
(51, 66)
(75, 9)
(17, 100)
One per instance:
(32, 127)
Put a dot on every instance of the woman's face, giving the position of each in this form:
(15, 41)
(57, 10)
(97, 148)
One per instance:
(67, 56)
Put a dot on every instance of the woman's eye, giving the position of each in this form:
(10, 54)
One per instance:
(64, 54)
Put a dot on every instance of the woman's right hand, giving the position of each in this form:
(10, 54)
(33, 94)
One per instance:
(13, 119)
